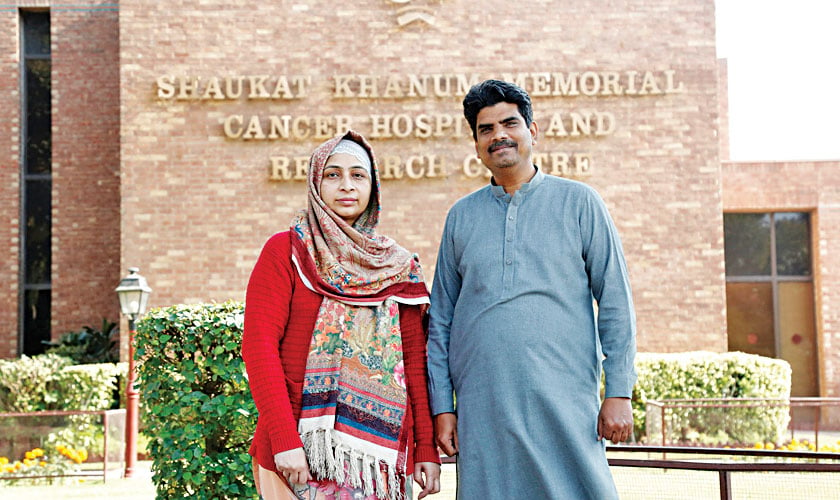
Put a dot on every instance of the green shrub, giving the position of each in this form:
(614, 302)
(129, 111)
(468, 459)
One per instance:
(192, 381)
(90, 386)
(702, 375)
(25, 383)
(89, 345)
(52, 382)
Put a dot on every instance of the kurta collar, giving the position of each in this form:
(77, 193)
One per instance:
(499, 192)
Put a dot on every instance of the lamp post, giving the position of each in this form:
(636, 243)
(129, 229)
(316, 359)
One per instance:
(133, 292)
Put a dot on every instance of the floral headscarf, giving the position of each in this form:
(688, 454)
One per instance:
(351, 263)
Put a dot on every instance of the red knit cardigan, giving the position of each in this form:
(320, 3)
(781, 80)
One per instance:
(280, 315)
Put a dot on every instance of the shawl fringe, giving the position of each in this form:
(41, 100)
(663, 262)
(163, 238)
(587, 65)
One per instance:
(331, 460)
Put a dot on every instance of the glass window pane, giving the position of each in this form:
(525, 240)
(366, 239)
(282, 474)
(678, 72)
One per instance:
(36, 321)
(37, 251)
(749, 318)
(793, 244)
(36, 33)
(38, 117)
(747, 244)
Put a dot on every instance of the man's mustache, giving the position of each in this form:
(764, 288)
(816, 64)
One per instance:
(501, 144)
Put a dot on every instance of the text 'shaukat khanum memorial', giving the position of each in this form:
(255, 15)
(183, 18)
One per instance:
(174, 136)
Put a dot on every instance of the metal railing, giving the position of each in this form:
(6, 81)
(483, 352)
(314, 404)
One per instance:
(113, 439)
(675, 409)
(715, 460)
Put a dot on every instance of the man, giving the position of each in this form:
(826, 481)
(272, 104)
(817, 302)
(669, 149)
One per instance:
(513, 332)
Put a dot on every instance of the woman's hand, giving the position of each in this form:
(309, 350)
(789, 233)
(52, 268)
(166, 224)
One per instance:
(293, 466)
(427, 475)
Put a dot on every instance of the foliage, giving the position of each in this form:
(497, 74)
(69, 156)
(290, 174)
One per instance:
(701, 375)
(90, 345)
(25, 383)
(192, 378)
(86, 387)
(52, 382)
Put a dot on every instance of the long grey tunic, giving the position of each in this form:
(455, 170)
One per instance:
(513, 332)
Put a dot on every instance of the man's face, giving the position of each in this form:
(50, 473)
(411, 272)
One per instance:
(502, 138)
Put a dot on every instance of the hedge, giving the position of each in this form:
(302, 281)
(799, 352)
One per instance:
(698, 375)
(53, 382)
(198, 407)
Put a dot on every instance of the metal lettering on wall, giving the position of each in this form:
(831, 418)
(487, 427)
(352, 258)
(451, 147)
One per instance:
(556, 124)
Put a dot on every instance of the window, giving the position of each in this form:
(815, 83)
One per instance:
(36, 182)
(770, 291)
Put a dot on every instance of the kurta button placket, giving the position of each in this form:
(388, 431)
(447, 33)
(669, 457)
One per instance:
(509, 245)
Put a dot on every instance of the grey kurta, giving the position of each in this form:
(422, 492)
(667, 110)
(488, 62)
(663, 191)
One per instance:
(513, 333)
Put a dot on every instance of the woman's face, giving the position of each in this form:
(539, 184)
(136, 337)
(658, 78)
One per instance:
(346, 186)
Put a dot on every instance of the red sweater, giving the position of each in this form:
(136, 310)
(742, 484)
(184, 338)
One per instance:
(280, 315)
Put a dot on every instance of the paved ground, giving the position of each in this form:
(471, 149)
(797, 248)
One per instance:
(632, 483)
(140, 487)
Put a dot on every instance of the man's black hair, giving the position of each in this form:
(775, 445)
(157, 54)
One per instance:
(492, 92)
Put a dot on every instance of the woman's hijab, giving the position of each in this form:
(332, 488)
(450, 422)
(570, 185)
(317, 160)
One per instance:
(353, 264)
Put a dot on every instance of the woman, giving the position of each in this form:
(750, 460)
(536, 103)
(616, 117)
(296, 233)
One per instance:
(334, 346)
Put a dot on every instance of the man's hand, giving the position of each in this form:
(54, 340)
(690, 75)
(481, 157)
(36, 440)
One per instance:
(293, 466)
(427, 475)
(615, 420)
(446, 433)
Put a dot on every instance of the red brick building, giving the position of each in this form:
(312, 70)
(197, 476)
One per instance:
(178, 132)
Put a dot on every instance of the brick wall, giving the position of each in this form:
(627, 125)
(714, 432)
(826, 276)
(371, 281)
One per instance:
(9, 181)
(164, 189)
(85, 213)
(723, 109)
(86, 189)
(801, 186)
(197, 206)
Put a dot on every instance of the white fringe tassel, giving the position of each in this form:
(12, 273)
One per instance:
(327, 459)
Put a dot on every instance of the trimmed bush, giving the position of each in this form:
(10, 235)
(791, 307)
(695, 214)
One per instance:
(25, 382)
(198, 406)
(699, 375)
(52, 382)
